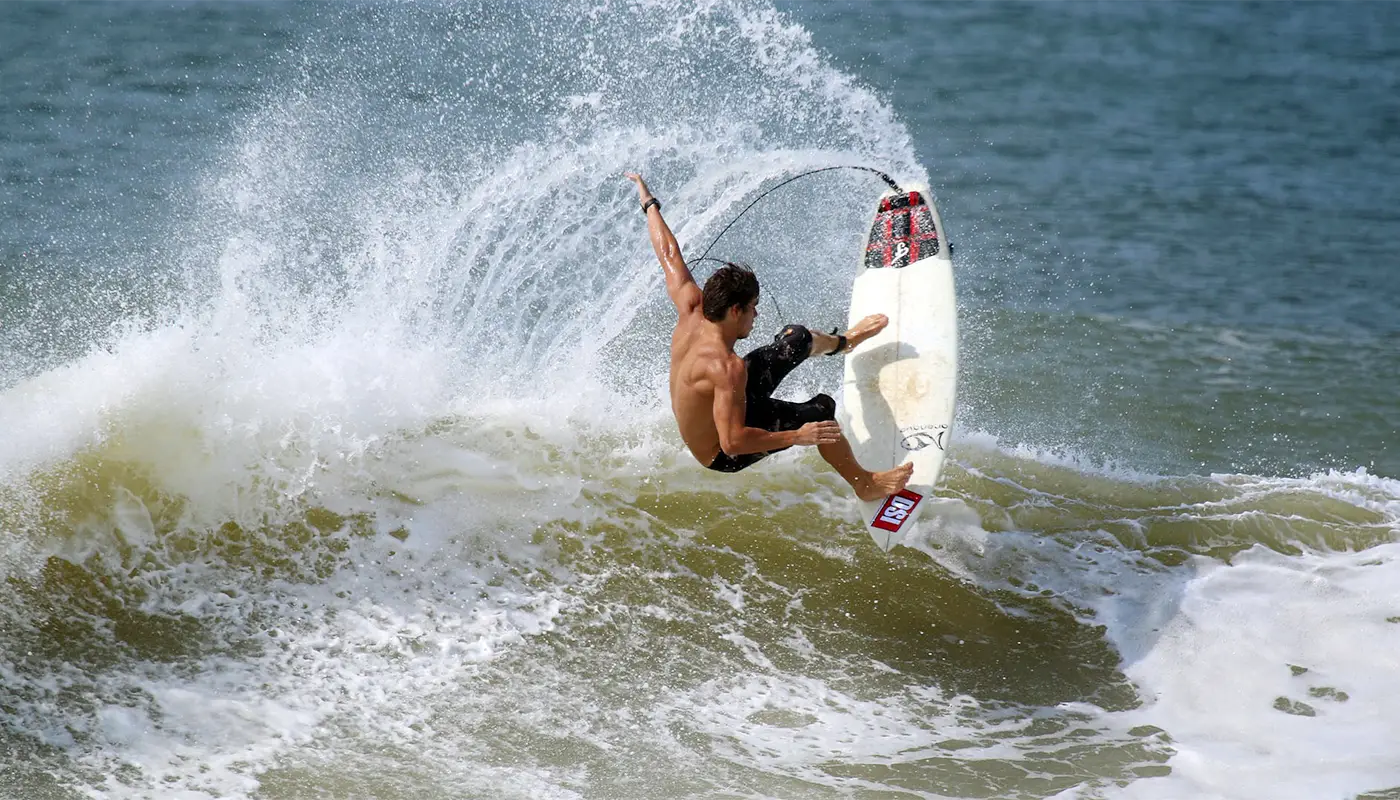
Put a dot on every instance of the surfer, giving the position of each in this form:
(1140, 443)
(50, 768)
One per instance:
(723, 403)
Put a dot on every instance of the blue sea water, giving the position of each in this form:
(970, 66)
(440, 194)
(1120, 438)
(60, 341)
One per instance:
(335, 457)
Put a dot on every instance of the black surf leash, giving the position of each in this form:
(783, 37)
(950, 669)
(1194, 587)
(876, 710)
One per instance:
(705, 255)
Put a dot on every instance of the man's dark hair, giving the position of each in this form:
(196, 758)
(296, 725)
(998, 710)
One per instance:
(730, 285)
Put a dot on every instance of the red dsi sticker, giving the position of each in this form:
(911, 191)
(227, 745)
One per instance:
(897, 509)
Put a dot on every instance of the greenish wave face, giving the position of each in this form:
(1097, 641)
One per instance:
(722, 635)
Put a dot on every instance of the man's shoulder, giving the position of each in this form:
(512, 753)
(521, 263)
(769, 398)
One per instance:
(707, 356)
(689, 298)
(713, 355)
(725, 366)
(691, 318)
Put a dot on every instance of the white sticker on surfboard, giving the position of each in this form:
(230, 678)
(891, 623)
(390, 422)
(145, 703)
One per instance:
(899, 387)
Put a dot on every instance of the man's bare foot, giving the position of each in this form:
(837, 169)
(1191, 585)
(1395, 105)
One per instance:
(884, 484)
(865, 329)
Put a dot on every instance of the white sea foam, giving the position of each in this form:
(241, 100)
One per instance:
(1270, 673)
(1273, 676)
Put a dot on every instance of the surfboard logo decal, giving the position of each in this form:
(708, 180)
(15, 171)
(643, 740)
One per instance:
(896, 510)
(919, 438)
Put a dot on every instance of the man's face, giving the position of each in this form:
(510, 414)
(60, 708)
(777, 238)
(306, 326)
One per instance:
(747, 315)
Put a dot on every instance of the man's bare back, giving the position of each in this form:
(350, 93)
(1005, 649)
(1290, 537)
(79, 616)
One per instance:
(696, 352)
(710, 390)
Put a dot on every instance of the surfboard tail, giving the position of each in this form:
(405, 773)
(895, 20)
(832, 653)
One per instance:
(893, 516)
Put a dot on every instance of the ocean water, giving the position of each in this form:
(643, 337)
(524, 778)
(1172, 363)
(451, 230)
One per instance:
(335, 452)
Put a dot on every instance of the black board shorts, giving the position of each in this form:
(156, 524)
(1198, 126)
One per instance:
(767, 366)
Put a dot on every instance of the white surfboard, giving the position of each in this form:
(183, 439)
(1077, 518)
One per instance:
(900, 386)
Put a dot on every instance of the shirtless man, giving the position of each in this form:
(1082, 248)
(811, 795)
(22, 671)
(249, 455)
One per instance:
(723, 403)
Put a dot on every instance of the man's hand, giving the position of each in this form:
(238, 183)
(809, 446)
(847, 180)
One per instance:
(813, 433)
(643, 193)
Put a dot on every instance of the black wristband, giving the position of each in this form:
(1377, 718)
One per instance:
(648, 204)
(840, 343)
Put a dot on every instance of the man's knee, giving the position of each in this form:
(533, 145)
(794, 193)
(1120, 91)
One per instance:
(824, 405)
(794, 340)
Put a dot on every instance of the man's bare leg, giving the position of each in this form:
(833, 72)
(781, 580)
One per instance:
(824, 343)
(868, 485)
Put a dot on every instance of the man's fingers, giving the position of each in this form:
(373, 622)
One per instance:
(827, 431)
(824, 432)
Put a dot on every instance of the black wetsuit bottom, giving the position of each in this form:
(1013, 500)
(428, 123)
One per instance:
(767, 366)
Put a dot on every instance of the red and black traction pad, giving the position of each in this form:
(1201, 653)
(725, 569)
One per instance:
(902, 234)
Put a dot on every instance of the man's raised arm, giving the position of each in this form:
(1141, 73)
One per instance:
(680, 285)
